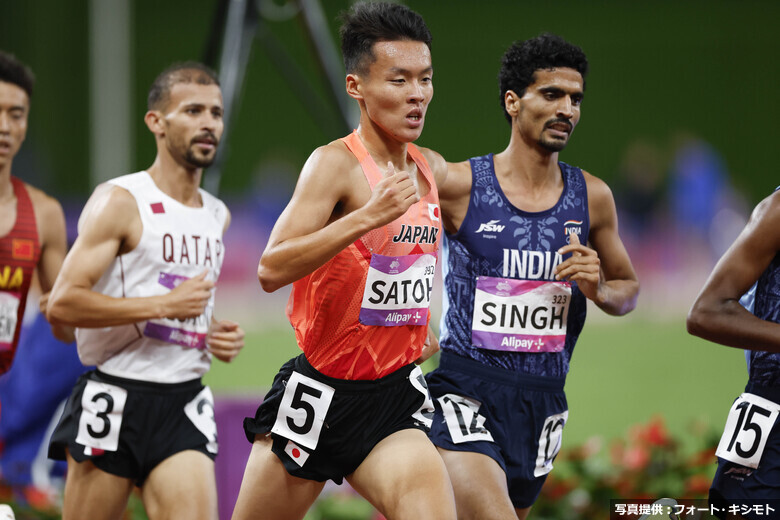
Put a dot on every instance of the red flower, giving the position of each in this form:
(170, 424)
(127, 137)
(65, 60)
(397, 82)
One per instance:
(697, 485)
(636, 458)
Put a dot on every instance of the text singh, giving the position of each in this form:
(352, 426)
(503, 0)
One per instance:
(542, 318)
(530, 265)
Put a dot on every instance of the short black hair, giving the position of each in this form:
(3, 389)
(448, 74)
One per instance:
(14, 71)
(182, 72)
(524, 58)
(369, 22)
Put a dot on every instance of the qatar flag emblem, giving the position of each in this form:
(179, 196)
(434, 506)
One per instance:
(296, 453)
(433, 212)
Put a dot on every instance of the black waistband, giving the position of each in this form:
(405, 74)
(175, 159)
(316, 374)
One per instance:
(473, 368)
(147, 386)
(303, 366)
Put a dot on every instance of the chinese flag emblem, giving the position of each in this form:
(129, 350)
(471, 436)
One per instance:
(22, 249)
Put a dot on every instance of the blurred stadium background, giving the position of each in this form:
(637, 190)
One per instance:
(679, 119)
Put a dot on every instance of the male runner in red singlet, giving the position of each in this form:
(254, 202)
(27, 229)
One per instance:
(359, 242)
(32, 224)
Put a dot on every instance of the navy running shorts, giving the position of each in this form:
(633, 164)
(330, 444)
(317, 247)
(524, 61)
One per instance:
(516, 419)
(749, 435)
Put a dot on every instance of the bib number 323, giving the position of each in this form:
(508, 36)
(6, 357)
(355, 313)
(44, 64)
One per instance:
(747, 429)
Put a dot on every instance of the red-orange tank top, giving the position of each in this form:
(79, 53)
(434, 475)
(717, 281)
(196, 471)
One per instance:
(19, 253)
(336, 314)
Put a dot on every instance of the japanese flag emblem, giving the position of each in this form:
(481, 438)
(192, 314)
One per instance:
(296, 453)
(433, 212)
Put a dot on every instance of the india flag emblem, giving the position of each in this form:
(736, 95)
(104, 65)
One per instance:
(572, 226)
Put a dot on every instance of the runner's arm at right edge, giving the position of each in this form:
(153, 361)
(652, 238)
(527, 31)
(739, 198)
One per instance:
(716, 314)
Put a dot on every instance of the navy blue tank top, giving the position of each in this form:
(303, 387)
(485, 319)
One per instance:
(502, 305)
(763, 300)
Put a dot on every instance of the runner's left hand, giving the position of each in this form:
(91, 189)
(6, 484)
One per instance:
(430, 347)
(583, 267)
(225, 339)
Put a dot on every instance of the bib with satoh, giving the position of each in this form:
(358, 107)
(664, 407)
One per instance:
(520, 315)
(398, 290)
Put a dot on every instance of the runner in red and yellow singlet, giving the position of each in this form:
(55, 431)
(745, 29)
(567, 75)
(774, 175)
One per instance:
(32, 224)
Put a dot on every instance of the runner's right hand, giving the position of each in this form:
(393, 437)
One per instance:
(392, 196)
(189, 298)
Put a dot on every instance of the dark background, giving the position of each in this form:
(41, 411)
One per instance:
(659, 70)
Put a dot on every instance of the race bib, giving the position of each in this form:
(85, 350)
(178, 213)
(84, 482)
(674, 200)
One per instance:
(398, 290)
(550, 442)
(201, 412)
(520, 315)
(747, 429)
(190, 333)
(102, 406)
(302, 411)
(9, 308)
(461, 415)
(424, 415)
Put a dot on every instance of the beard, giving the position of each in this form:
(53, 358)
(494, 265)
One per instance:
(194, 158)
(552, 145)
(199, 162)
(555, 144)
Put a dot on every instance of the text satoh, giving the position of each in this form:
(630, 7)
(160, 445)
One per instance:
(398, 290)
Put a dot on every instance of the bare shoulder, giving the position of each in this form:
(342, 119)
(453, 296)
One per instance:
(598, 190)
(112, 206)
(330, 159)
(44, 205)
(436, 162)
(768, 209)
(458, 182)
(49, 217)
(330, 174)
(460, 170)
(764, 222)
(112, 198)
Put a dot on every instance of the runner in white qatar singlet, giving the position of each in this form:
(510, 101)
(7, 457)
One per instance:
(178, 242)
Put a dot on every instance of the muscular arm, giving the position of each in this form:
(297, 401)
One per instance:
(110, 225)
(454, 195)
(54, 246)
(311, 230)
(604, 271)
(716, 314)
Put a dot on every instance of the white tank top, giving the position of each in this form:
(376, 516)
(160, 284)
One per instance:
(178, 242)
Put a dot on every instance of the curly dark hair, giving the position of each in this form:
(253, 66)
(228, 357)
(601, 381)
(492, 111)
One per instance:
(523, 58)
(14, 71)
(183, 72)
(369, 22)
